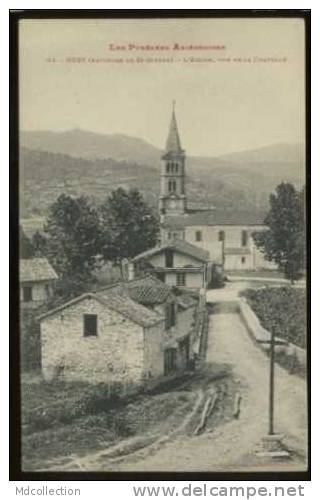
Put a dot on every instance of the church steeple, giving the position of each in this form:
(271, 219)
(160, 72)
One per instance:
(172, 199)
(173, 141)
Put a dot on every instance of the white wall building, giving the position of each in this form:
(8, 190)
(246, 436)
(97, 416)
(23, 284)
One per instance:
(226, 235)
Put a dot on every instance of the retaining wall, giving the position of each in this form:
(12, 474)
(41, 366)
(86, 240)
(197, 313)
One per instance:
(261, 335)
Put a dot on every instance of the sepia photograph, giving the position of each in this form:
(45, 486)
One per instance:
(163, 254)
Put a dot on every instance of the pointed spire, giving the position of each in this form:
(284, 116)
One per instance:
(173, 142)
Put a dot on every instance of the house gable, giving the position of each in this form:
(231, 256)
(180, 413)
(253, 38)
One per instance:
(179, 260)
(116, 352)
(123, 305)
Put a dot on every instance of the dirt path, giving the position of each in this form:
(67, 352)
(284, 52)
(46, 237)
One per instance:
(232, 445)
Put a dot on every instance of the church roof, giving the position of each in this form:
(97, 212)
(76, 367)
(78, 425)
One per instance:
(181, 246)
(173, 143)
(214, 217)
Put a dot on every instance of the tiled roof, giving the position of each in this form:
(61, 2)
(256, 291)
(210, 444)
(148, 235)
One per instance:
(123, 305)
(214, 217)
(37, 269)
(147, 290)
(237, 251)
(130, 309)
(181, 246)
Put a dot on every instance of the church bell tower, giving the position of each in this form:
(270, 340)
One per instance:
(172, 199)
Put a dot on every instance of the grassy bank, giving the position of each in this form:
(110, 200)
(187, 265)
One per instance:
(62, 420)
(281, 309)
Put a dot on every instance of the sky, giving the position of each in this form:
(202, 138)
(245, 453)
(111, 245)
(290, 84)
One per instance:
(222, 104)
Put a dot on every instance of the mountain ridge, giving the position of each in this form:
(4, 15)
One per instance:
(91, 145)
(211, 182)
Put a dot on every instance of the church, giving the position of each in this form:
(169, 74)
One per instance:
(193, 241)
(225, 235)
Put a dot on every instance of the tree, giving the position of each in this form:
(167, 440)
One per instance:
(70, 286)
(284, 241)
(39, 244)
(26, 248)
(129, 224)
(73, 236)
(30, 341)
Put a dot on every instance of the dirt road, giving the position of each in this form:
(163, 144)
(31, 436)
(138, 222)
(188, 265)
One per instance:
(231, 446)
(232, 443)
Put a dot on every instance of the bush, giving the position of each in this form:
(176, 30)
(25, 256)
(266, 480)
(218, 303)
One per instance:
(30, 342)
(281, 309)
(217, 279)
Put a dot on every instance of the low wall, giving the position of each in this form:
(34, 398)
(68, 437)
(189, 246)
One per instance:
(201, 339)
(261, 335)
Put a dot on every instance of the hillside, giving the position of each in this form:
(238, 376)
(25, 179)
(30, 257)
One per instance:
(89, 145)
(44, 176)
(274, 160)
(79, 162)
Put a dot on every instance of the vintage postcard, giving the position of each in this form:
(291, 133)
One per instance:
(163, 252)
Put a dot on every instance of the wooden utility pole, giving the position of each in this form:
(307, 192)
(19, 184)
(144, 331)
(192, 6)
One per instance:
(272, 343)
(272, 443)
(271, 385)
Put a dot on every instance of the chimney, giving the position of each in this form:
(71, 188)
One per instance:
(130, 271)
(124, 269)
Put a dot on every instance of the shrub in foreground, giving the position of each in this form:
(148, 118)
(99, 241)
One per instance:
(281, 309)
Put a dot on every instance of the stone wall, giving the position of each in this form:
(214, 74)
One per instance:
(183, 327)
(157, 339)
(261, 335)
(153, 351)
(116, 354)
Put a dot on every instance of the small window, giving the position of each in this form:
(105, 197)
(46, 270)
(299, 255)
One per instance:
(244, 238)
(172, 186)
(221, 236)
(168, 167)
(90, 323)
(177, 168)
(48, 291)
(243, 260)
(169, 258)
(169, 235)
(170, 315)
(198, 236)
(27, 294)
(181, 279)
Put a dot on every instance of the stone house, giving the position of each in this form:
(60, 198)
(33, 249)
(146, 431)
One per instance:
(177, 306)
(129, 332)
(37, 278)
(176, 263)
(225, 234)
